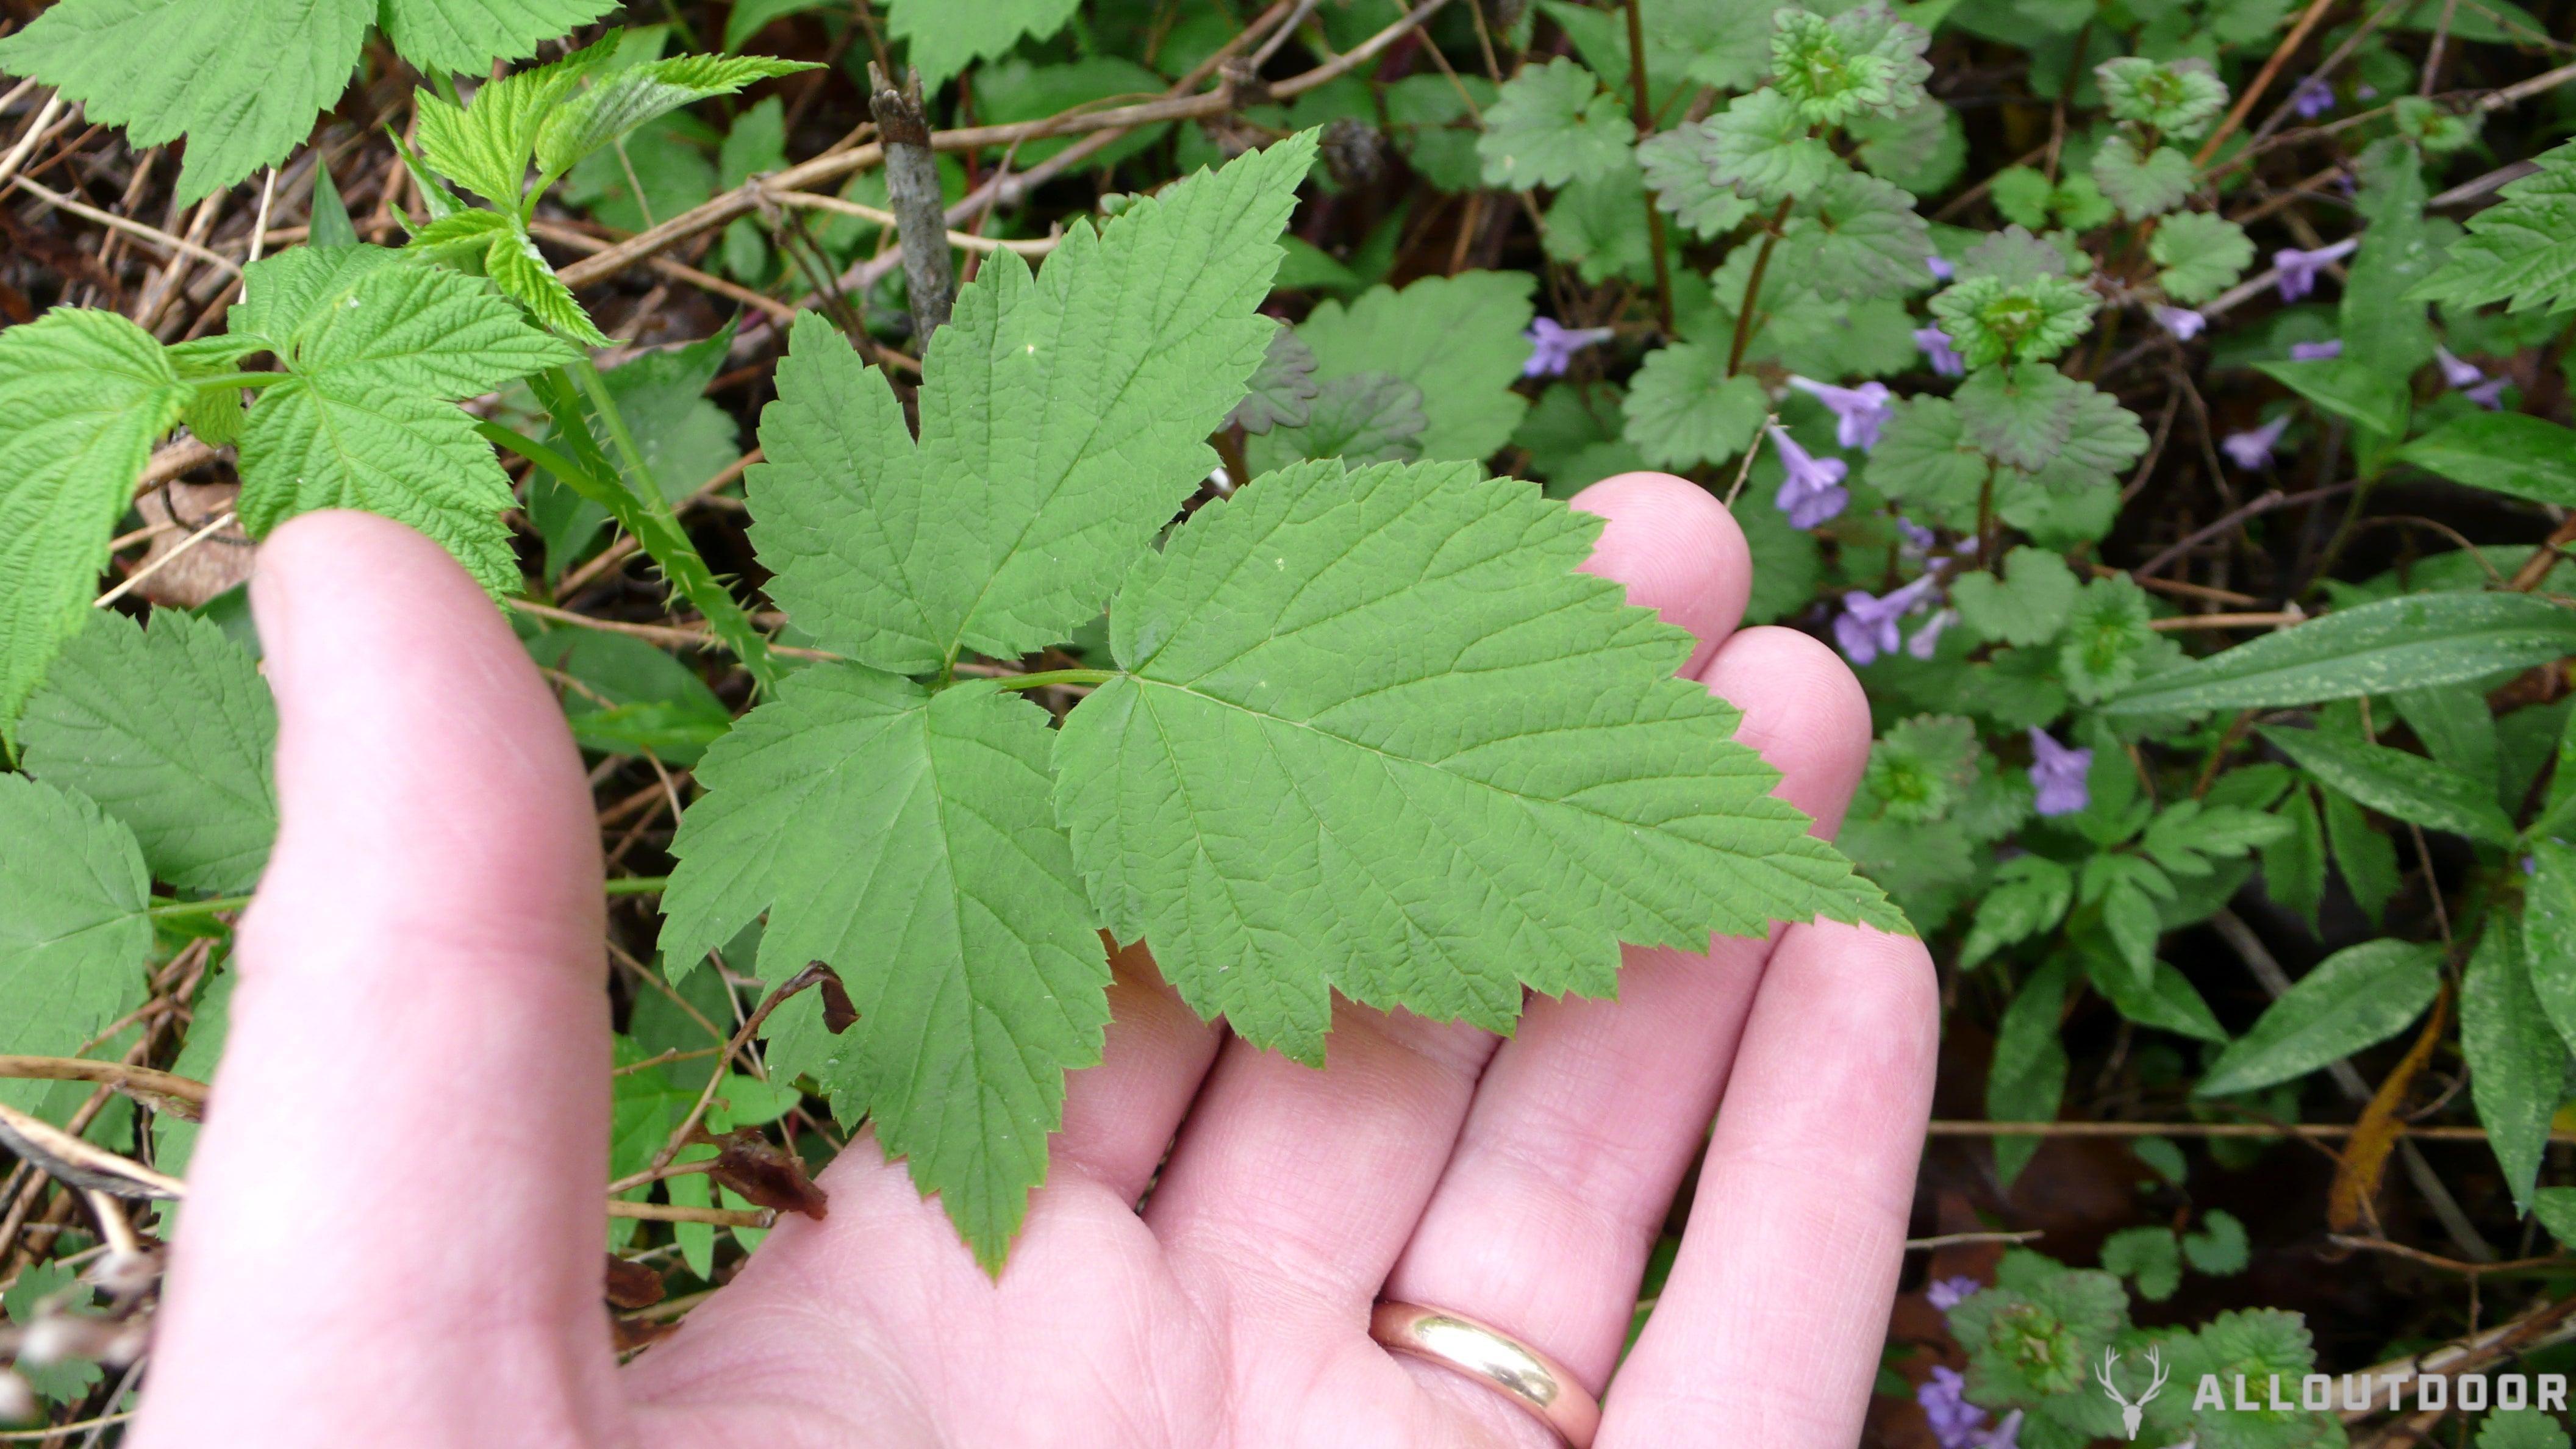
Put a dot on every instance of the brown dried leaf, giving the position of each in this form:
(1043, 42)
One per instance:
(2365, 1156)
(629, 1334)
(632, 1285)
(766, 1174)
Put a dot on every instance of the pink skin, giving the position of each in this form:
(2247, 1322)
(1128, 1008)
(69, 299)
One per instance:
(393, 1233)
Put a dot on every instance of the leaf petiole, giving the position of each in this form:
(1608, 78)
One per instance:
(1044, 678)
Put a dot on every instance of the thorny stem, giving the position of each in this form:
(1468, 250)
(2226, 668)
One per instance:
(1753, 287)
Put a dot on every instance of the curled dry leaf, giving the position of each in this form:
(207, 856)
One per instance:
(631, 1284)
(766, 1174)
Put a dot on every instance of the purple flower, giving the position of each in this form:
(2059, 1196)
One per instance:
(1940, 266)
(1867, 626)
(1919, 540)
(2253, 451)
(2057, 772)
(2363, 93)
(2312, 98)
(1859, 412)
(1927, 640)
(2325, 351)
(2455, 372)
(2299, 269)
(1948, 1293)
(1814, 491)
(2006, 1435)
(1954, 1420)
(2488, 394)
(1945, 359)
(2182, 322)
(1552, 347)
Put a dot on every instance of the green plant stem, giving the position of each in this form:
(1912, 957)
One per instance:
(1753, 287)
(238, 379)
(1643, 117)
(635, 500)
(637, 885)
(625, 885)
(1047, 677)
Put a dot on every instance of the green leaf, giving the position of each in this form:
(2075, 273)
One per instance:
(2187, 836)
(1373, 417)
(1760, 146)
(1552, 125)
(1921, 150)
(2141, 186)
(2393, 782)
(2032, 320)
(2347, 388)
(73, 935)
(2178, 97)
(2522, 1429)
(1923, 458)
(2021, 195)
(1856, 236)
(86, 393)
(622, 696)
(2027, 1080)
(2126, 888)
(749, 17)
(1064, 419)
(2512, 453)
(2033, 1336)
(684, 438)
(2220, 1248)
(2202, 255)
(331, 226)
(1862, 60)
(2167, 1001)
(2029, 608)
(2294, 864)
(2150, 1255)
(903, 837)
(1287, 803)
(2366, 859)
(2453, 722)
(623, 100)
(1682, 409)
(1600, 227)
(1922, 766)
(169, 730)
(942, 37)
(324, 443)
(2402, 643)
(485, 146)
(2521, 251)
(1677, 171)
(2018, 415)
(2556, 1209)
(2549, 935)
(1282, 389)
(2357, 997)
(174, 1140)
(2030, 895)
(243, 79)
(2517, 1060)
(1456, 338)
(365, 318)
(2106, 637)
(467, 35)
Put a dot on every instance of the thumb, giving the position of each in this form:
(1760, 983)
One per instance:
(394, 1223)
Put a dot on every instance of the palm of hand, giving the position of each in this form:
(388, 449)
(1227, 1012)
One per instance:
(393, 1230)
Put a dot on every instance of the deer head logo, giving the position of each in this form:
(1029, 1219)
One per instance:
(2131, 1410)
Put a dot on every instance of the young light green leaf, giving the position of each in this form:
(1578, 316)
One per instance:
(1553, 124)
(2178, 97)
(1064, 419)
(903, 837)
(2357, 997)
(2395, 783)
(325, 443)
(467, 35)
(2201, 253)
(2401, 643)
(1922, 766)
(485, 145)
(364, 318)
(2026, 1081)
(2106, 636)
(1286, 805)
(2517, 1060)
(1456, 338)
(73, 934)
(1682, 409)
(1373, 417)
(1862, 60)
(623, 100)
(2513, 453)
(2027, 606)
(2030, 895)
(943, 37)
(2141, 186)
(86, 393)
(331, 226)
(168, 730)
(2032, 320)
(2521, 251)
(243, 79)
(1760, 146)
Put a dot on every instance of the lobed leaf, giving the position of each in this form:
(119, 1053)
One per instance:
(73, 933)
(1552, 125)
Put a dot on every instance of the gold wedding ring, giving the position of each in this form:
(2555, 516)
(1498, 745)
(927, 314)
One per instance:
(1494, 1358)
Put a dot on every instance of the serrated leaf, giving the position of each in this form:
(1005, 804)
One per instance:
(2521, 251)
(467, 35)
(2030, 895)
(2201, 253)
(2401, 643)
(2294, 866)
(2032, 320)
(365, 318)
(2178, 97)
(1371, 719)
(2357, 997)
(1282, 388)
(2150, 1255)
(1863, 60)
(86, 393)
(243, 79)
(520, 270)
(73, 934)
(2517, 1060)
(1600, 227)
(2186, 835)
(1856, 236)
(1923, 457)
(1679, 176)
(1759, 145)
(2522, 1429)
(943, 37)
(2018, 415)
(2102, 438)
(324, 444)
(2026, 606)
(2513, 453)
(623, 100)
(169, 730)
(1683, 410)
(1921, 150)
(2167, 1001)
(2141, 186)
(1064, 419)
(1553, 124)
(2395, 783)
(1371, 418)
(1456, 338)
(485, 145)
(903, 837)
(2363, 857)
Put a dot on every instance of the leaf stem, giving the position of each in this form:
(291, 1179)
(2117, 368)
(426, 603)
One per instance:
(624, 885)
(238, 379)
(1753, 287)
(1643, 116)
(1047, 677)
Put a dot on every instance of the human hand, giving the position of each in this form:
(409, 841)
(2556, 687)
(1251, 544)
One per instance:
(394, 1224)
